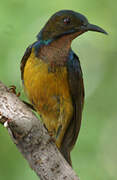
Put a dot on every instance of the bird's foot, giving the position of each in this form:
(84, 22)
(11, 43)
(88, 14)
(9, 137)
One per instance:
(5, 121)
(52, 136)
(12, 89)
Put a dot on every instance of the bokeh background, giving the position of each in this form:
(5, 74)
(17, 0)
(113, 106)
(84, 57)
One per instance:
(95, 153)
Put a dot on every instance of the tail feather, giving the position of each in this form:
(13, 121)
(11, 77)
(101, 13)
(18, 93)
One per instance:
(71, 134)
(66, 155)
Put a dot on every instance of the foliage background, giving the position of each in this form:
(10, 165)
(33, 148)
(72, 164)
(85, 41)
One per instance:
(94, 156)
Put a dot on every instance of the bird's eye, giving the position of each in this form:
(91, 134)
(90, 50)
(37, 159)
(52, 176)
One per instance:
(66, 20)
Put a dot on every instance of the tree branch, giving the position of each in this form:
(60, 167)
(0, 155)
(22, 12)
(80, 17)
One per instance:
(32, 139)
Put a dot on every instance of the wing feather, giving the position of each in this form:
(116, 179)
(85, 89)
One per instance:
(24, 59)
(77, 92)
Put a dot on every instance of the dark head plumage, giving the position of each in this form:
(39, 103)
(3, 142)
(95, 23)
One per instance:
(66, 22)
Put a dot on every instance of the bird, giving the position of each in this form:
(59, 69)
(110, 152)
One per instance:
(53, 80)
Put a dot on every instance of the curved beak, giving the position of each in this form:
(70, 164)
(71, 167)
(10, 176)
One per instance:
(91, 27)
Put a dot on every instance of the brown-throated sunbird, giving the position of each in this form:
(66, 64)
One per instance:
(52, 77)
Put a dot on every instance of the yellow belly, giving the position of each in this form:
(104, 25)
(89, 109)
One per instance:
(49, 93)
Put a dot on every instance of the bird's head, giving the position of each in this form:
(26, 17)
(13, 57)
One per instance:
(67, 22)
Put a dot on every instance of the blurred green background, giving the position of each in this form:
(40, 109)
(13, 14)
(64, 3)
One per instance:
(95, 153)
